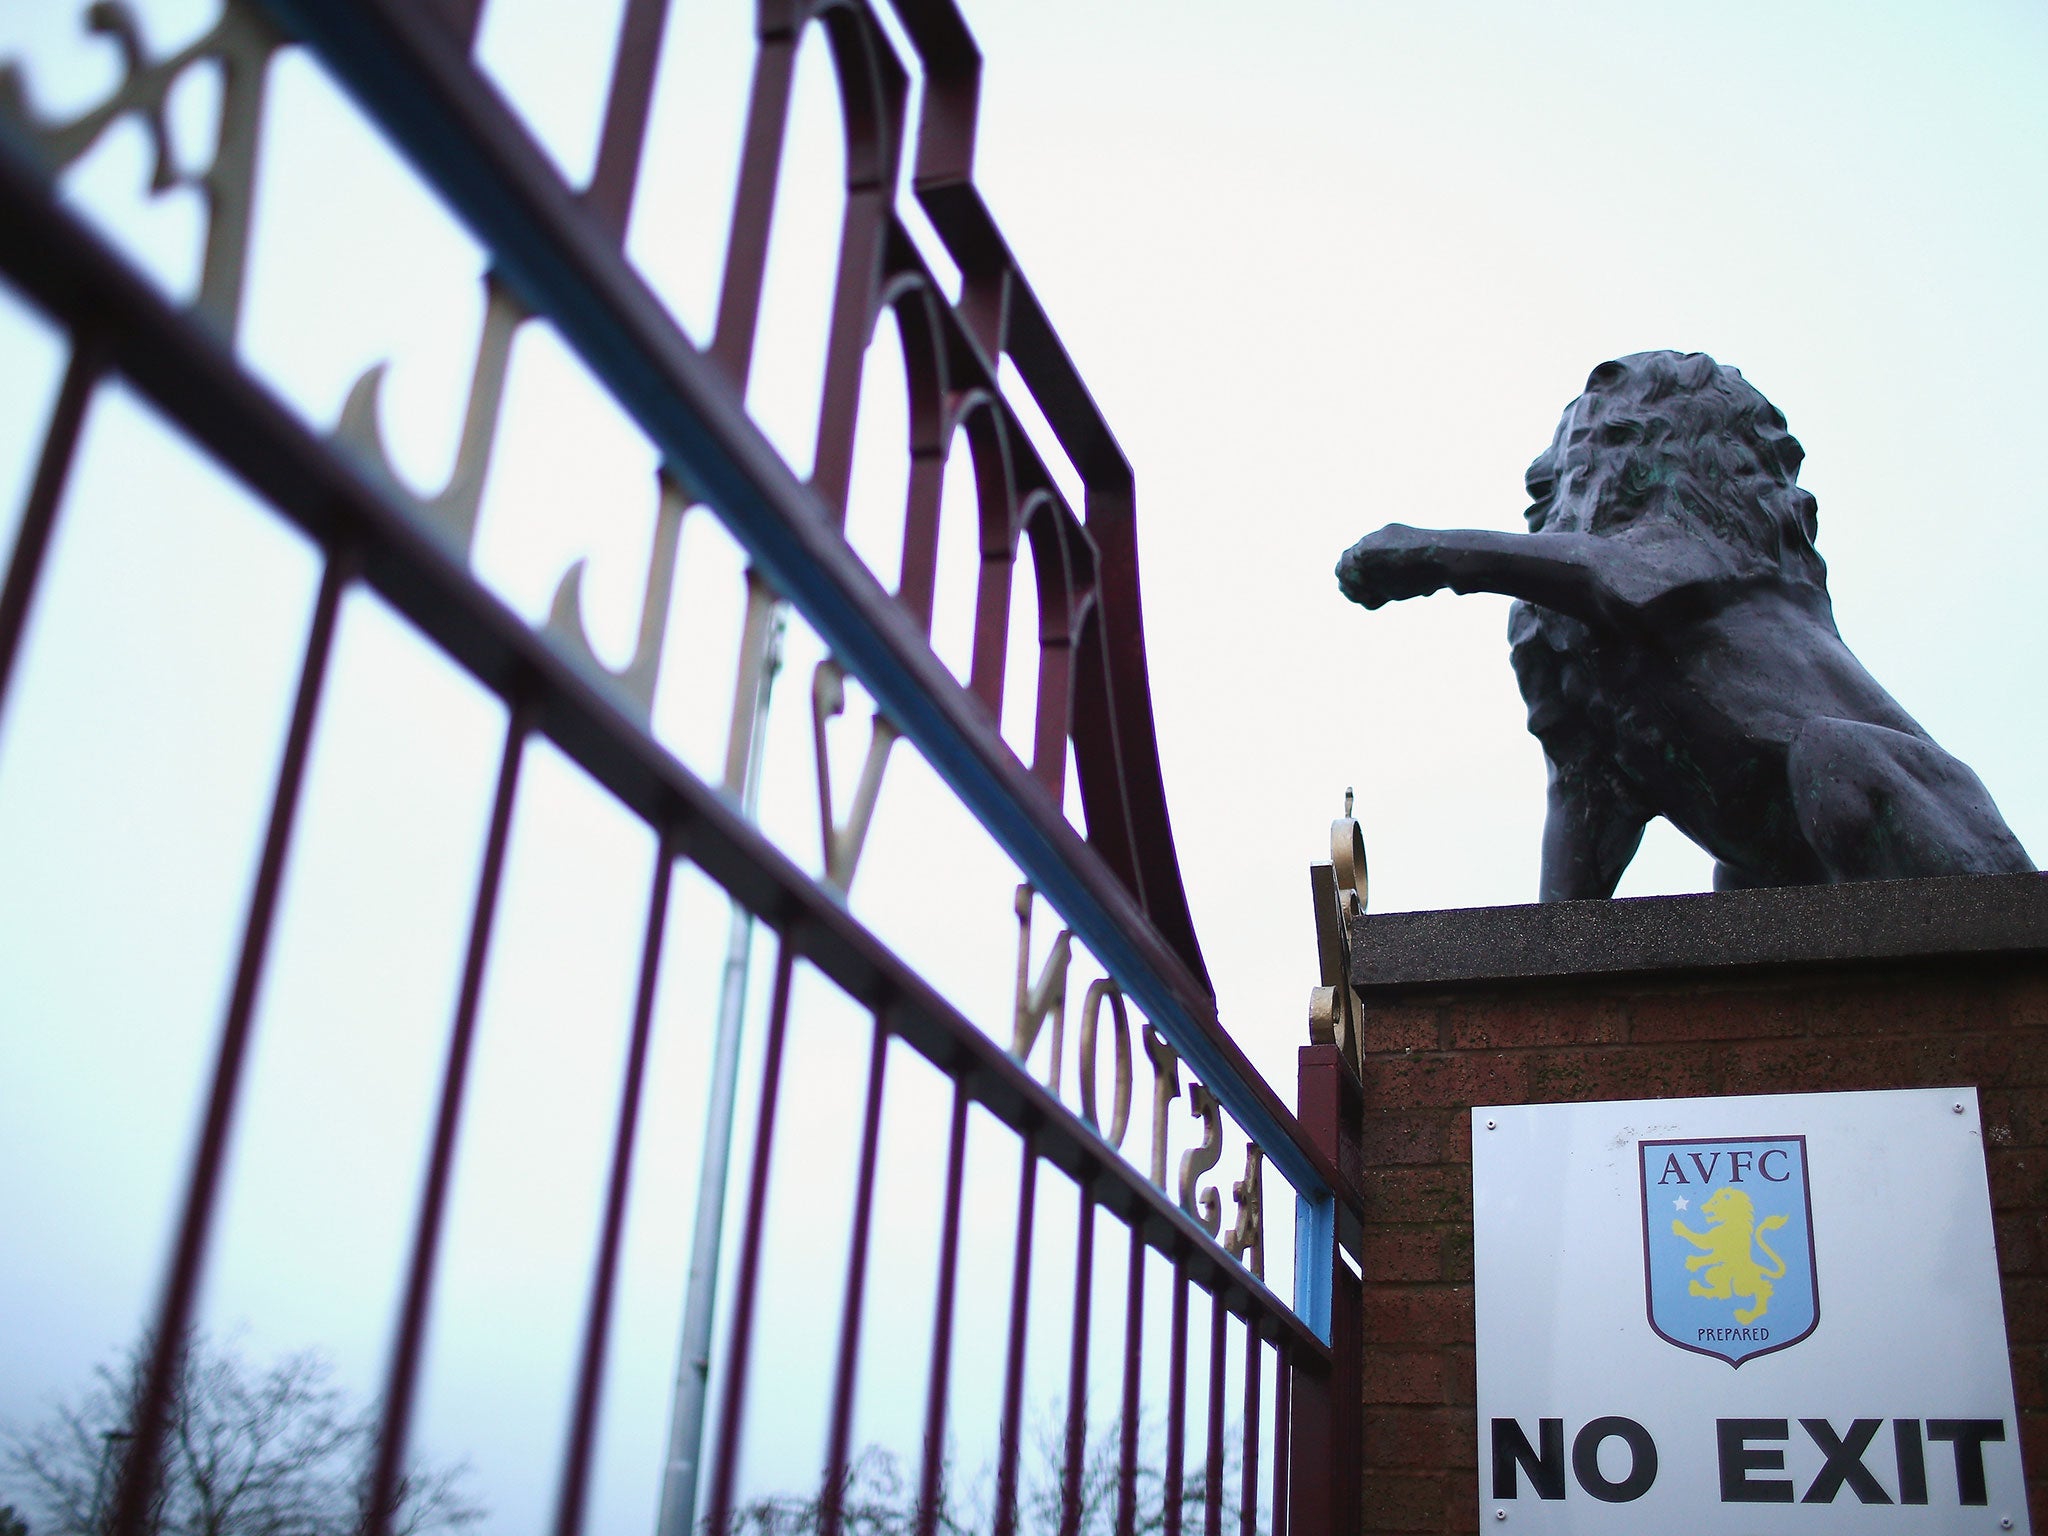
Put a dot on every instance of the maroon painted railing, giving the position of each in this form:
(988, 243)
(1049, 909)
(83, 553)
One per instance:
(558, 252)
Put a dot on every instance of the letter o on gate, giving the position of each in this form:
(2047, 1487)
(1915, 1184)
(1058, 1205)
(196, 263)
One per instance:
(1642, 1465)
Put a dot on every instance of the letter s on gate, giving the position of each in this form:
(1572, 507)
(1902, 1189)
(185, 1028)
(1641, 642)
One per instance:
(1207, 1207)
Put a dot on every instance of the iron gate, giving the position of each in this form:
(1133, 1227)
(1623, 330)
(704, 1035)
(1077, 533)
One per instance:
(557, 253)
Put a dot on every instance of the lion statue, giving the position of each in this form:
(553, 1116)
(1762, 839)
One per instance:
(1677, 650)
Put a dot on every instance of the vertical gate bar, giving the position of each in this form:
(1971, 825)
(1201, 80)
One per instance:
(39, 513)
(1177, 1400)
(1127, 1420)
(1219, 1346)
(388, 1467)
(462, 17)
(181, 1284)
(746, 1283)
(1283, 1434)
(1053, 714)
(990, 659)
(628, 103)
(854, 308)
(1077, 1370)
(590, 1374)
(920, 558)
(1313, 1449)
(930, 1487)
(1248, 1480)
(753, 209)
(1012, 1427)
(841, 1432)
(1346, 1472)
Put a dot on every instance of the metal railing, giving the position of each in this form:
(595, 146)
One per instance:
(557, 252)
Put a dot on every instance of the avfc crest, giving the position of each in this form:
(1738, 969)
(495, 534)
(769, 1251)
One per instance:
(1728, 1244)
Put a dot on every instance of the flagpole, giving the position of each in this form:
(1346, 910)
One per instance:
(760, 660)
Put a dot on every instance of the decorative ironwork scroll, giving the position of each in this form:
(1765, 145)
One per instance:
(1338, 889)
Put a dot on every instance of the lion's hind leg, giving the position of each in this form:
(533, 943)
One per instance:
(1879, 804)
(1763, 1302)
(1716, 1286)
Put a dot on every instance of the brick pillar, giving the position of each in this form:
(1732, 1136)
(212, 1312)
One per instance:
(1909, 984)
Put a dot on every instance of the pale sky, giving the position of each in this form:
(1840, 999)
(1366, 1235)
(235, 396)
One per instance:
(1323, 266)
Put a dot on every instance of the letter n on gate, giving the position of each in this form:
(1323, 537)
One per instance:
(1545, 1467)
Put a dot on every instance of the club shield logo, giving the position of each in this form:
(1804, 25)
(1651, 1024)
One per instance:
(1728, 1244)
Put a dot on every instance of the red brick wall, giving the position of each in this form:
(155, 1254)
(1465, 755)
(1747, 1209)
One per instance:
(1430, 1058)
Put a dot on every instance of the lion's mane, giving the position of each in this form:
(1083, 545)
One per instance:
(1696, 444)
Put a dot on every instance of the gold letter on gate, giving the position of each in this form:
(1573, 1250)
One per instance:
(1196, 1161)
(1049, 996)
(1165, 1089)
(843, 843)
(1091, 1010)
(1247, 1234)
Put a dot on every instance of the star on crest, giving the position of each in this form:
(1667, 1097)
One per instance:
(1678, 1204)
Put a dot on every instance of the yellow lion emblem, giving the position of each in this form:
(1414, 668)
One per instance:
(1730, 1265)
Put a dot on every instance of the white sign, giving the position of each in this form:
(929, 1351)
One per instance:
(1749, 1316)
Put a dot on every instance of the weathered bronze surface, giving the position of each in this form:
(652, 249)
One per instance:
(1676, 647)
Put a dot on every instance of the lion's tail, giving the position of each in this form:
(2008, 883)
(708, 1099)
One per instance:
(1770, 1224)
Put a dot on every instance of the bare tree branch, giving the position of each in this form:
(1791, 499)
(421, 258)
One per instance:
(878, 1496)
(275, 1453)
